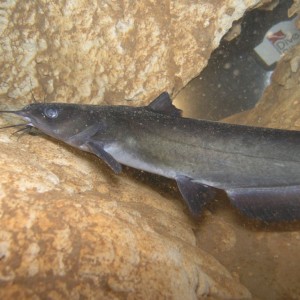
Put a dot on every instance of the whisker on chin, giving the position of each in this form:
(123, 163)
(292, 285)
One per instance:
(16, 125)
(26, 128)
(23, 130)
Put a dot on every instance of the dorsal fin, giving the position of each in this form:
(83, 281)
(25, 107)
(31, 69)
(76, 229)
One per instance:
(163, 104)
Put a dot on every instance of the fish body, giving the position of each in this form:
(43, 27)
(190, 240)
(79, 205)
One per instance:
(258, 168)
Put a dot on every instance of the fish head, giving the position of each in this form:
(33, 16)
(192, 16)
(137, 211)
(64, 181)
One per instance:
(59, 120)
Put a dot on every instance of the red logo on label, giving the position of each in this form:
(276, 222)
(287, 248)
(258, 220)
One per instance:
(274, 37)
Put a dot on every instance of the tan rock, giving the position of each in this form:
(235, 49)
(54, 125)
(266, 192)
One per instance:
(117, 51)
(71, 229)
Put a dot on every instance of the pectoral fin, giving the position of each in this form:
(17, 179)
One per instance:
(83, 135)
(97, 149)
(195, 194)
(268, 203)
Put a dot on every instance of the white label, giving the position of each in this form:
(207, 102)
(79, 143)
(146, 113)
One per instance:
(279, 38)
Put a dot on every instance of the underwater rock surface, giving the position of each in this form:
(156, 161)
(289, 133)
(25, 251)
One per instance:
(69, 228)
(118, 51)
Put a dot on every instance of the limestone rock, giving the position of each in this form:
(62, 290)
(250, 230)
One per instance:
(117, 51)
(71, 229)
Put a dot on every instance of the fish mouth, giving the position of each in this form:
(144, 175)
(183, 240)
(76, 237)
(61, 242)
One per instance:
(20, 113)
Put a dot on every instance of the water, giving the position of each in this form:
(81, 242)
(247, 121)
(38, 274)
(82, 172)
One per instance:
(234, 78)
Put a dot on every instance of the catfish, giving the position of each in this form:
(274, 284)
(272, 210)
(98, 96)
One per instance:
(258, 168)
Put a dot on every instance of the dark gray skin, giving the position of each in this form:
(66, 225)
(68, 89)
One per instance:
(258, 168)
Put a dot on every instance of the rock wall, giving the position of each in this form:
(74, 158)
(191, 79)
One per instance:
(112, 51)
(69, 228)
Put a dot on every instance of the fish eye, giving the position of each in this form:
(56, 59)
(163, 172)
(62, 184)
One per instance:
(51, 112)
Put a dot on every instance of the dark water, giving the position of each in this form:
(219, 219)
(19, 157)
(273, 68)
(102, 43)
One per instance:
(234, 78)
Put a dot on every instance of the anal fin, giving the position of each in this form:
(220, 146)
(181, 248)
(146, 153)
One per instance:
(195, 194)
(268, 204)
